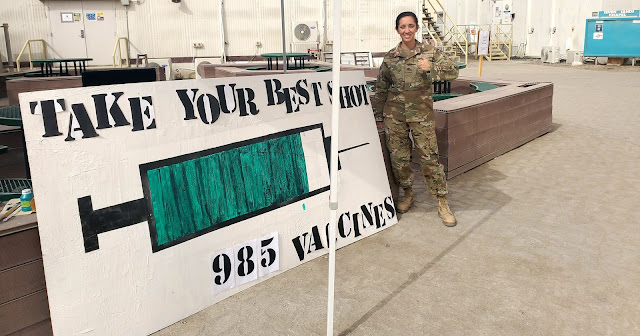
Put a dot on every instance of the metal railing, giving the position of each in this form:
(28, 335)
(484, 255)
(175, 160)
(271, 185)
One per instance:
(451, 33)
(501, 35)
(117, 48)
(504, 37)
(27, 45)
(426, 28)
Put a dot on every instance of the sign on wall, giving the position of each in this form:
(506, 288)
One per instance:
(66, 17)
(619, 13)
(157, 200)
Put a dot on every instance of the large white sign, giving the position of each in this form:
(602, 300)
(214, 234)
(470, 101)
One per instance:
(156, 200)
(483, 42)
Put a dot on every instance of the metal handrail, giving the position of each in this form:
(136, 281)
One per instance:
(28, 44)
(504, 37)
(499, 36)
(456, 34)
(119, 50)
(433, 37)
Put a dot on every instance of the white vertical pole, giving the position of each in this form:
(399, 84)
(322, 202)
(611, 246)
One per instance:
(223, 44)
(284, 41)
(554, 7)
(333, 191)
(528, 26)
(324, 28)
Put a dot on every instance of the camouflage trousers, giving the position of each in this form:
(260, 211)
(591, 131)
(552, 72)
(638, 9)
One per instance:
(399, 145)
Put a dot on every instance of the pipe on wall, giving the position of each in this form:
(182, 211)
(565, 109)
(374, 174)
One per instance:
(324, 25)
(553, 28)
(8, 43)
(528, 29)
(223, 40)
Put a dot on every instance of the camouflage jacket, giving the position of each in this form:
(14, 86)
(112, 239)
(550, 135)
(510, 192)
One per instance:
(405, 92)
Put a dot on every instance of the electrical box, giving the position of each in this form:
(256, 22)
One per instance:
(574, 56)
(496, 12)
(507, 10)
(502, 11)
(550, 54)
(613, 34)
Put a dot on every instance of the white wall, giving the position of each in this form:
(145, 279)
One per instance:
(165, 29)
(161, 28)
(27, 20)
(369, 25)
(568, 17)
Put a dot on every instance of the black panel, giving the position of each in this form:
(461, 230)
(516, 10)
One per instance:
(118, 76)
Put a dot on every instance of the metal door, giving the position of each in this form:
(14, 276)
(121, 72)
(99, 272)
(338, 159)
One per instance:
(100, 30)
(83, 29)
(67, 29)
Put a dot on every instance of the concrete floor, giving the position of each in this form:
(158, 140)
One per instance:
(547, 240)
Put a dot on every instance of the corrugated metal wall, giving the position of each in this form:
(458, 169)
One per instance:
(568, 17)
(369, 25)
(161, 28)
(166, 29)
(27, 20)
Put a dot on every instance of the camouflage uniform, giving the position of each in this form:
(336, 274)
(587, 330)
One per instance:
(404, 97)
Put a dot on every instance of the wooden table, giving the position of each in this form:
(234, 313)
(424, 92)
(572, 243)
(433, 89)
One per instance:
(298, 60)
(46, 65)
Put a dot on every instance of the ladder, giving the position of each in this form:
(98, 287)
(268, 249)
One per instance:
(437, 25)
(430, 27)
(495, 52)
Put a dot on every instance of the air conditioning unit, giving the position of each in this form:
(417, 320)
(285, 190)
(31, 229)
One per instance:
(201, 61)
(163, 63)
(574, 56)
(305, 32)
(550, 54)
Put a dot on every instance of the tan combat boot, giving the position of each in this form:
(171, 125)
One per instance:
(407, 201)
(445, 213)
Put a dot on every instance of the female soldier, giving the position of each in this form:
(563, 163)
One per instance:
(404, 98)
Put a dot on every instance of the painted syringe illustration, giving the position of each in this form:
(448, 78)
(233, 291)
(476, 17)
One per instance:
(194, 194)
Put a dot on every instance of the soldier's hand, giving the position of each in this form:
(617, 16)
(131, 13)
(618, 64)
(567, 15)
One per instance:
(424, 64)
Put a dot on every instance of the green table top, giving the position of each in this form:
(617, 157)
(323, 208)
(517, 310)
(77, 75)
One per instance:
(54, 60)
(10, 115)
(443, 96)
(274, 55)
(460, 65)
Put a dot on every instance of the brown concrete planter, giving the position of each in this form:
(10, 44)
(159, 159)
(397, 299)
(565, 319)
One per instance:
(475, 128)
(24, 307)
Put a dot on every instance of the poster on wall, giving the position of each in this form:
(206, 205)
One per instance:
(157, 200)
(66, 17)
(507, 10)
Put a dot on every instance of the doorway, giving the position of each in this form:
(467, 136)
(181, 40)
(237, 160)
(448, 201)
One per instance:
(82, 29)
